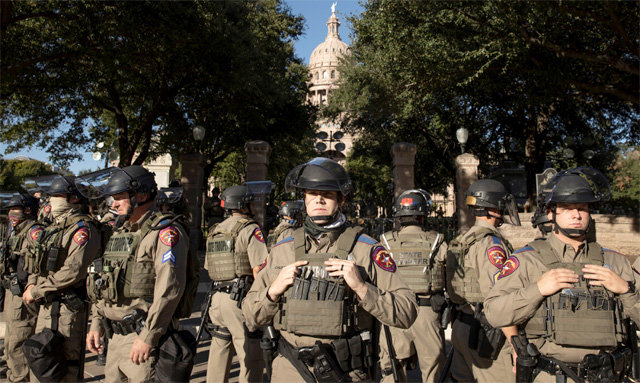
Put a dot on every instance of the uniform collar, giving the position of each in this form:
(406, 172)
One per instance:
(485, 225)
(135, 226)
(564, 250)
(411, 229)
(63, 217)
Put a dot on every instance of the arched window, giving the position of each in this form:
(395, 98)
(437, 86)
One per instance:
(333, 74)
(324, 75)
(317, 75)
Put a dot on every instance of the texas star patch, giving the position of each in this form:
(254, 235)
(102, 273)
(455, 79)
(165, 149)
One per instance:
(169, 257)
(81, 236)
(14, 221)
(264, 264)
(258, 234)
(383, 259)
(36, 232)
(497, 256)
(507, 269)
(169, 236)
(47, 208)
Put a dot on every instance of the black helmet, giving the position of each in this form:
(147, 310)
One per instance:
(236, 197)
(291, 209)
(487, 193)
(64, 185)
(412, 203)
(134, 179)
(25, 201)
(319, 174)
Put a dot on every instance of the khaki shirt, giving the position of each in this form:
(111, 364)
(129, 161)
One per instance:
(388, 298)
(169, 286)
(515, 298)
(488, 256)
(83, 246)
(250, 240)
(283, 231)
(32, 233)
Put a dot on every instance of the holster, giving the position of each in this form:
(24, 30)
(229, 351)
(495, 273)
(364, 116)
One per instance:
(52, 258)
(483, 338)
(324, 363)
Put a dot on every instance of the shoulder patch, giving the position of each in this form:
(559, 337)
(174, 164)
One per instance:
(258, 234)
(366, 239)
(169, 236)
(522, 250)
(288, 239)
(264, 264)
(169, 256)
(497, 256)
(507, 269)
(47, 208)
(383, 259)
(81, 236)
(36, 232)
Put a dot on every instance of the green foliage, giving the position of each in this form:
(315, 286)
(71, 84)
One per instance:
(520, 76)
(371, 171)
(625, 186)
(13, 172)
(81, 72)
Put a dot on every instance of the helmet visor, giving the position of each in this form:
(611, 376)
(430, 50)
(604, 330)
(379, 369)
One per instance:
(39, 184)
(259, 187)
(171, 195)
(510, 210)
(320, 175)
(92, 185)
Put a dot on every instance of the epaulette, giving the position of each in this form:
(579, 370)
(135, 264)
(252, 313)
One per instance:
(522, 250)
(366, 239)
(611, 251)
(288, 239)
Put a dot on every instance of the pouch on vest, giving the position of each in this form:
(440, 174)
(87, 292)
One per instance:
(413, 258)
(42, 351)
(176, 355)
(223, 263)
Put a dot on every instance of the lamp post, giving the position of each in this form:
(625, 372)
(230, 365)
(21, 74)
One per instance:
(462, 135)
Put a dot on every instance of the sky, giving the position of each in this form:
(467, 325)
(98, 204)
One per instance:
(315, 12)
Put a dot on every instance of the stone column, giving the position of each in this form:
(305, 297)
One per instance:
(257, 164)
(192, 182)
(466, 174)
(404, 159)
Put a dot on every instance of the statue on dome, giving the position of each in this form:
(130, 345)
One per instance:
(333, 7)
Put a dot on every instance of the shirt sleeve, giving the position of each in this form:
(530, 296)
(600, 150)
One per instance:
(256, 247)
(257, 308)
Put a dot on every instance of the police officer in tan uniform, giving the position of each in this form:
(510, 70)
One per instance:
(324, 286)
(290, 213)
(564, 292)
(475, 261)
(420, 256)
(232, 267)
(20, 318)
(136, 311)
(68, 246)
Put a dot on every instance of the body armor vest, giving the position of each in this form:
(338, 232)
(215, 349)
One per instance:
(119, 275)
(583, 316)
(317, 304)
(272, 238)
(14, 246)
(50, 253)
(224, 262)
(462, 280)
(414, 258)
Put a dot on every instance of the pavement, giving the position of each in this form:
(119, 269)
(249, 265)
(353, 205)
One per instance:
(94, 373)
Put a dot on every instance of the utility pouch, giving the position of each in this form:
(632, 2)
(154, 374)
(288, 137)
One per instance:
(490, 342)
(325, 366)
(316, 318)
(52, 258)
(15, 287)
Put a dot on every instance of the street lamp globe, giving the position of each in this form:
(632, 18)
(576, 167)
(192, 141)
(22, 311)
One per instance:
(462, 135)
(198, 133)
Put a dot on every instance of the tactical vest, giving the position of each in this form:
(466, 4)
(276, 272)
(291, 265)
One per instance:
(583, 316)
(50, 254)
(121, 276)
(272, 238)
(319, 305)
(224, 262)
(462, 280)
(414, 258)
(14, 246)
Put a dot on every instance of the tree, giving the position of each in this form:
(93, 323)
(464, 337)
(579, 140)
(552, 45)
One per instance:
(142, 74)
(520, 76)
(625, 188)
(13, 172)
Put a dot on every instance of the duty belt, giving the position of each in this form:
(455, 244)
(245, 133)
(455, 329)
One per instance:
(129, 324)
(604, 367)
(423, 301)
(223, 287)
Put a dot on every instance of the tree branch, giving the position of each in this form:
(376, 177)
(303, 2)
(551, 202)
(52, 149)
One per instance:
(607, 89)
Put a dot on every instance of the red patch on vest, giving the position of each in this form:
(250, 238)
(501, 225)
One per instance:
(36, 232)
(13, 221)
(81, 236)
(221, 203)
(169, 236)
(264, 264)
(497, 256)
(258, 234)
(382, 258)
(406, 201)
(47, 208)
(507, 269)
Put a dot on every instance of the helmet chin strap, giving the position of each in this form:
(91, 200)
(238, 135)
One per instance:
(328, 219)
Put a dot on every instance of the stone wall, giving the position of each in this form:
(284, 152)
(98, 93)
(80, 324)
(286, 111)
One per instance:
(620, 233)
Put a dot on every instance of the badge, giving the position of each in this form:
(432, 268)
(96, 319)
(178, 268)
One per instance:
(81, 236)
(507, 269)
(36, 233)
(383, 259)
(169, 236)
(497, 256)
(47, 208)
(169, 257)
(258, 234)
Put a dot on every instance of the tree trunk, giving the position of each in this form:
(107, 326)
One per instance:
(535, 148)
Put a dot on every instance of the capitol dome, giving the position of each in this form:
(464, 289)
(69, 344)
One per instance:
(325, 57)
